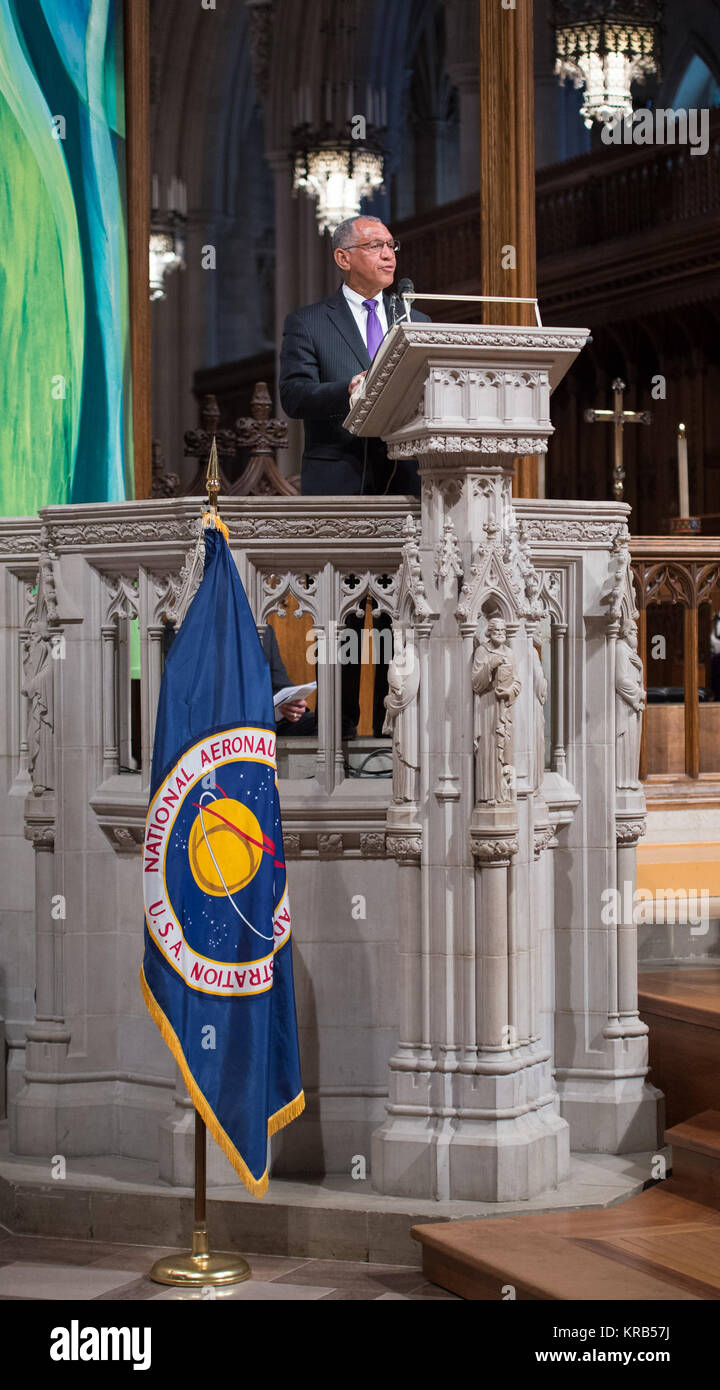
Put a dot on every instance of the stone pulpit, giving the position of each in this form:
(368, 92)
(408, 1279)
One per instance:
(464, 936)
(519, 1032)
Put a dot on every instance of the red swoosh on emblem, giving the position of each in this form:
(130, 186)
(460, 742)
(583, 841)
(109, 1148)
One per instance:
(271, 850)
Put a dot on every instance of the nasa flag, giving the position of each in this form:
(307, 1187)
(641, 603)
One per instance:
(217, 971)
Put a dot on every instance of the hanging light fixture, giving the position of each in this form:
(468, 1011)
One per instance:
(338, 161)
(337, 174)
(338, 125)
(604, 46)
(167, 234)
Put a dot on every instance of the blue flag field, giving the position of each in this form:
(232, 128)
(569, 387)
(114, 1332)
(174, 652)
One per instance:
(217, 972)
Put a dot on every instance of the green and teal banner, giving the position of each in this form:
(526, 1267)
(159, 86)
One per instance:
(65, 389)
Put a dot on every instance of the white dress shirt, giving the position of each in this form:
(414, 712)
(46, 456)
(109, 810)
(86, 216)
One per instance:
(360, 313)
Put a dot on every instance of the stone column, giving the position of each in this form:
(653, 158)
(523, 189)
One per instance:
(48, 1037)
(109, 699)
(473, 1113)
(33, 1121)
(462, 24)
(34, 1126)
(559, 643)
(155, 637)
(628, 1019)
(286, 290)
(601, 1066)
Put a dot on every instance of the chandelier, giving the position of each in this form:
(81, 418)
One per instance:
(604, 46)
(167, 234)
(338, 161)
(338, 176)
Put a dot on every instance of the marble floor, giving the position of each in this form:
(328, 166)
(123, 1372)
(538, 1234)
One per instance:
(49, 1268)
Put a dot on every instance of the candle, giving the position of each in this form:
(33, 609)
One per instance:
(683, 487)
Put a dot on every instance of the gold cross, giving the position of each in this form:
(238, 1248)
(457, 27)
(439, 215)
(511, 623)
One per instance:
(619, 418)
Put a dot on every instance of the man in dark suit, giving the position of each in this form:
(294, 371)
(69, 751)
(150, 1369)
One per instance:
(327, 348)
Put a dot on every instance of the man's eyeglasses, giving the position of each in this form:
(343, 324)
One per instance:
(374, 246)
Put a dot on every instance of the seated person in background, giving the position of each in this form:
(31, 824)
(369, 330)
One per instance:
(293, 718)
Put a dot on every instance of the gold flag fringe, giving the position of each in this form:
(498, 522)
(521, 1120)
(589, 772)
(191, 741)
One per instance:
(256, 1186)
(212, 519)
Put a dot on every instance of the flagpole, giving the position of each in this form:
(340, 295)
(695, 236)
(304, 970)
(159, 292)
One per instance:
(200, 1269)
(212, 478)
(200, 1171)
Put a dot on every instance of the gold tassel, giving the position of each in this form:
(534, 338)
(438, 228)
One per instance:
(212, 519)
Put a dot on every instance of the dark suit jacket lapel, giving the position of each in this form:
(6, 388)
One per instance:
(341, 315)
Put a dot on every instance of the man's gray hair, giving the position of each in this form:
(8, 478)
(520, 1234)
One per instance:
(345, 233)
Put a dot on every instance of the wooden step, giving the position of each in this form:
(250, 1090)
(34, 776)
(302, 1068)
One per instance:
(657, 1246)
(681, 1007)
(696, 1158)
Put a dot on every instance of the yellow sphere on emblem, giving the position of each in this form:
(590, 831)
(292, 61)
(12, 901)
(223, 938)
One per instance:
(225, 847)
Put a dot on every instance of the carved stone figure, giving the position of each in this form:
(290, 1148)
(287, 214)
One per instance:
(496, 685)
(38, 688)
(540, 690)
(401, 719)
(629, 705)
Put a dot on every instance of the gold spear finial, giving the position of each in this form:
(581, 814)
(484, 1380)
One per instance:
(212, 480)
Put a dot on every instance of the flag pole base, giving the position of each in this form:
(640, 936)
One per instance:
(200, 1268)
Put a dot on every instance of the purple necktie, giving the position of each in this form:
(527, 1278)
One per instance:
(374, 327)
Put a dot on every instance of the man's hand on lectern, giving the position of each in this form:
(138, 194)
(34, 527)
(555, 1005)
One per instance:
(355, 386)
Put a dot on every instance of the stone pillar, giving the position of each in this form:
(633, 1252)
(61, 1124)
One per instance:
(471, 1112)
(109, 699)
(33, 1121)
(155, 638)
(601, 1073)
(462, 23)
(286, 291)
(629, 1021)
(34, 1127)
(559, 644)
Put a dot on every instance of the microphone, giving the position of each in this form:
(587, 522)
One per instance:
(405, 286)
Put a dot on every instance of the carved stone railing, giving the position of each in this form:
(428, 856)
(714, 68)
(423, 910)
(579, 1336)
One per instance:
(683, 572)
